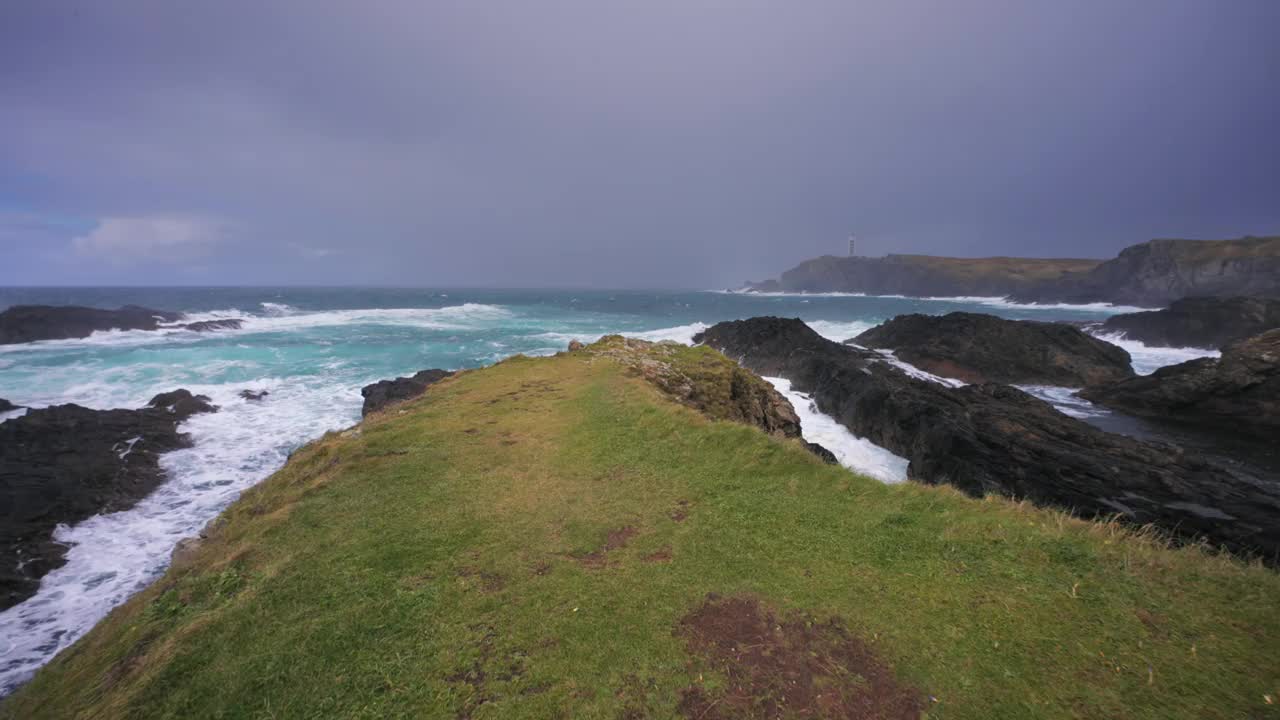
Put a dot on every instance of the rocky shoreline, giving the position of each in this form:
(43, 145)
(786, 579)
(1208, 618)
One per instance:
(978, 348)
(993, 438)
(1238, 393)
(65, 463)
(31, 323)
(1201, 322)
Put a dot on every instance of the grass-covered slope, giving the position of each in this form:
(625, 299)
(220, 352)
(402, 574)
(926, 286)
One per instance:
(539, 539)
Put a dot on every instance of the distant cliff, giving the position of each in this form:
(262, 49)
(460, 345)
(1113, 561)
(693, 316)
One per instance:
(923, 275)
(1158, 272)
(1153, 273)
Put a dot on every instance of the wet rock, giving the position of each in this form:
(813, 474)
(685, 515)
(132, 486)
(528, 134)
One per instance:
(997, 439)
(253, 394)
(1205, 322)
(978, 348)
(211, 325)
(28, 323)
(387, 392)
(6, 406)
(575, 345)
(824, 454)
(181, 403)
(65, 463)
(1238, 393)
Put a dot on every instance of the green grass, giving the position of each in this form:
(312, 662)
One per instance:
(431, 564)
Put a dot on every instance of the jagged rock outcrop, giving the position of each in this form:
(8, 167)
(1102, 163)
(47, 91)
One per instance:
(65, 463)
(1237, 393)
(28, 323)
(1158, 272)
(6, 406)
(709, 383)
(253, 394)
(388, 392)
(1205, 322)
(978, 348)
(997, 439)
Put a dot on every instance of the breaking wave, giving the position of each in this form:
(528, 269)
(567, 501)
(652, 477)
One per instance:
(855, 453)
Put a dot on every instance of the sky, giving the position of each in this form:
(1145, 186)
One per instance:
(596, 143)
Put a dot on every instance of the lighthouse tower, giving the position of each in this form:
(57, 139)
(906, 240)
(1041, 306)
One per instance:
(851, 250)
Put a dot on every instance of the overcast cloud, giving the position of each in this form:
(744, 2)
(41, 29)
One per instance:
(669, 143)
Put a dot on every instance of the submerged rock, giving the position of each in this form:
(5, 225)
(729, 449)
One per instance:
(65, 463)
(28, 323)
(387, 392)
(997, 439)
(1205, 322)
(253, 394)
(210, 325)
(978, 348)
(1236, 393)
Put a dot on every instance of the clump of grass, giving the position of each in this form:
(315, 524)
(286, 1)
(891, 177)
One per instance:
(432, 565)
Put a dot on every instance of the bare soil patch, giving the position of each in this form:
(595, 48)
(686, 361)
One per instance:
(790, 666)
(659, 556)
(617, 539)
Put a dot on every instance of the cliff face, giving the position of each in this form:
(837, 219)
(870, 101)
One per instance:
(1158, 272)
(1152, 274)
(924, 275)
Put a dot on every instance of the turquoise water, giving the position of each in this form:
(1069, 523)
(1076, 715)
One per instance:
(312, 349)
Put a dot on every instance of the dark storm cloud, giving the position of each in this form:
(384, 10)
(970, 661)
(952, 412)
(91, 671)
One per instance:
(667, 143)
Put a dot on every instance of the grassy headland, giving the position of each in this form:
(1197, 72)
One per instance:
(540, 538)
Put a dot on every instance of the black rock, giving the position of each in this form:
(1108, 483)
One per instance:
(1238, 393)
(6, 406)
(1206, 322)
(997, 439)
(27, 323)
(210, 325)
(65, 463)
(826, 455)
(978, 348)
(181, 403)
(387, 392)
(253, 394)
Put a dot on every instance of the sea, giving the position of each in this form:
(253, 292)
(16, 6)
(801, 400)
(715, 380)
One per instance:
(312, 349)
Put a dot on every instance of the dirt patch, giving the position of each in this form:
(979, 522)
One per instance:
(617, 539)
(659, 556)
(488, 582)
(793, 666)
(681, 512)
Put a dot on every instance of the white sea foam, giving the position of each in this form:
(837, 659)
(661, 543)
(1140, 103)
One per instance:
(278, 319)
(113, 556)
(857, 454)
(1065, 400)
(837, 330)
(1147, 359)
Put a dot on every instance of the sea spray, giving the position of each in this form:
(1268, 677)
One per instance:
(857, 454)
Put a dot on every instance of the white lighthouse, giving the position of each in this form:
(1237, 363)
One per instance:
(851, 250)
